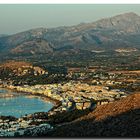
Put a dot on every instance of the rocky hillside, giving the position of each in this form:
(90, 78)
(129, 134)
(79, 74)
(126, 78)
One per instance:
(32, 47)
(119, 118)
(121, 31)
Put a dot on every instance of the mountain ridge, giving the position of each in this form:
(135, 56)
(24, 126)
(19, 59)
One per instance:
(104, 34)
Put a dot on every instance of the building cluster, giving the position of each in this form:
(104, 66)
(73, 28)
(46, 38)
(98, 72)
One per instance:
(74, 95)
(19, 127)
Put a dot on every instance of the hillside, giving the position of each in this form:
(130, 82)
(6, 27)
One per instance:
(121, 31)
(119, 118)
(32, 47)
(20, 72)
(15, 65)
(21, 68)
(114, 40)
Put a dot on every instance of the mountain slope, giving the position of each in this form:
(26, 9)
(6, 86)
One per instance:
(121, 31)
(120, 118)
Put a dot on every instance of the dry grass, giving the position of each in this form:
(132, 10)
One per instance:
(14, 64)
(120, 118)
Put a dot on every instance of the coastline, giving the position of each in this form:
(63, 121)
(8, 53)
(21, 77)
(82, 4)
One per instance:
(55, 102)
(32, 122)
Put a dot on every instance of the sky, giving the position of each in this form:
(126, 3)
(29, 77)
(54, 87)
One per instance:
(16, 18)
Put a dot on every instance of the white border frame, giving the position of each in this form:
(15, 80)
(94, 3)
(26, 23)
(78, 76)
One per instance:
(69, 1)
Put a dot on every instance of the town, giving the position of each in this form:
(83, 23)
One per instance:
(81, 89)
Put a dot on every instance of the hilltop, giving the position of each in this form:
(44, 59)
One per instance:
(18, 72)
(15, 64)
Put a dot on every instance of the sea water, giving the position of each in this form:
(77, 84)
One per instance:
(20, 104)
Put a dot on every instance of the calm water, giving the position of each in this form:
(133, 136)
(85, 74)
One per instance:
(20, 105)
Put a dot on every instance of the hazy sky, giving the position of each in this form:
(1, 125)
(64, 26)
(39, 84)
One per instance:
(17, 18)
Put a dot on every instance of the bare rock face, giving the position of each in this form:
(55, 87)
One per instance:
(128, 22)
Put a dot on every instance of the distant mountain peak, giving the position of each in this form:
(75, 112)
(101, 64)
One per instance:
(126, 21)
(111, 33)
(129, 15)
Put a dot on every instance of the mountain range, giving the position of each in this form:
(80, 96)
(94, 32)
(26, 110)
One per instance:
(108, 34)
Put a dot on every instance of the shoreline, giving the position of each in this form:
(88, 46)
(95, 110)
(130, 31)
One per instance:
(31, 122)
(56, 103)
